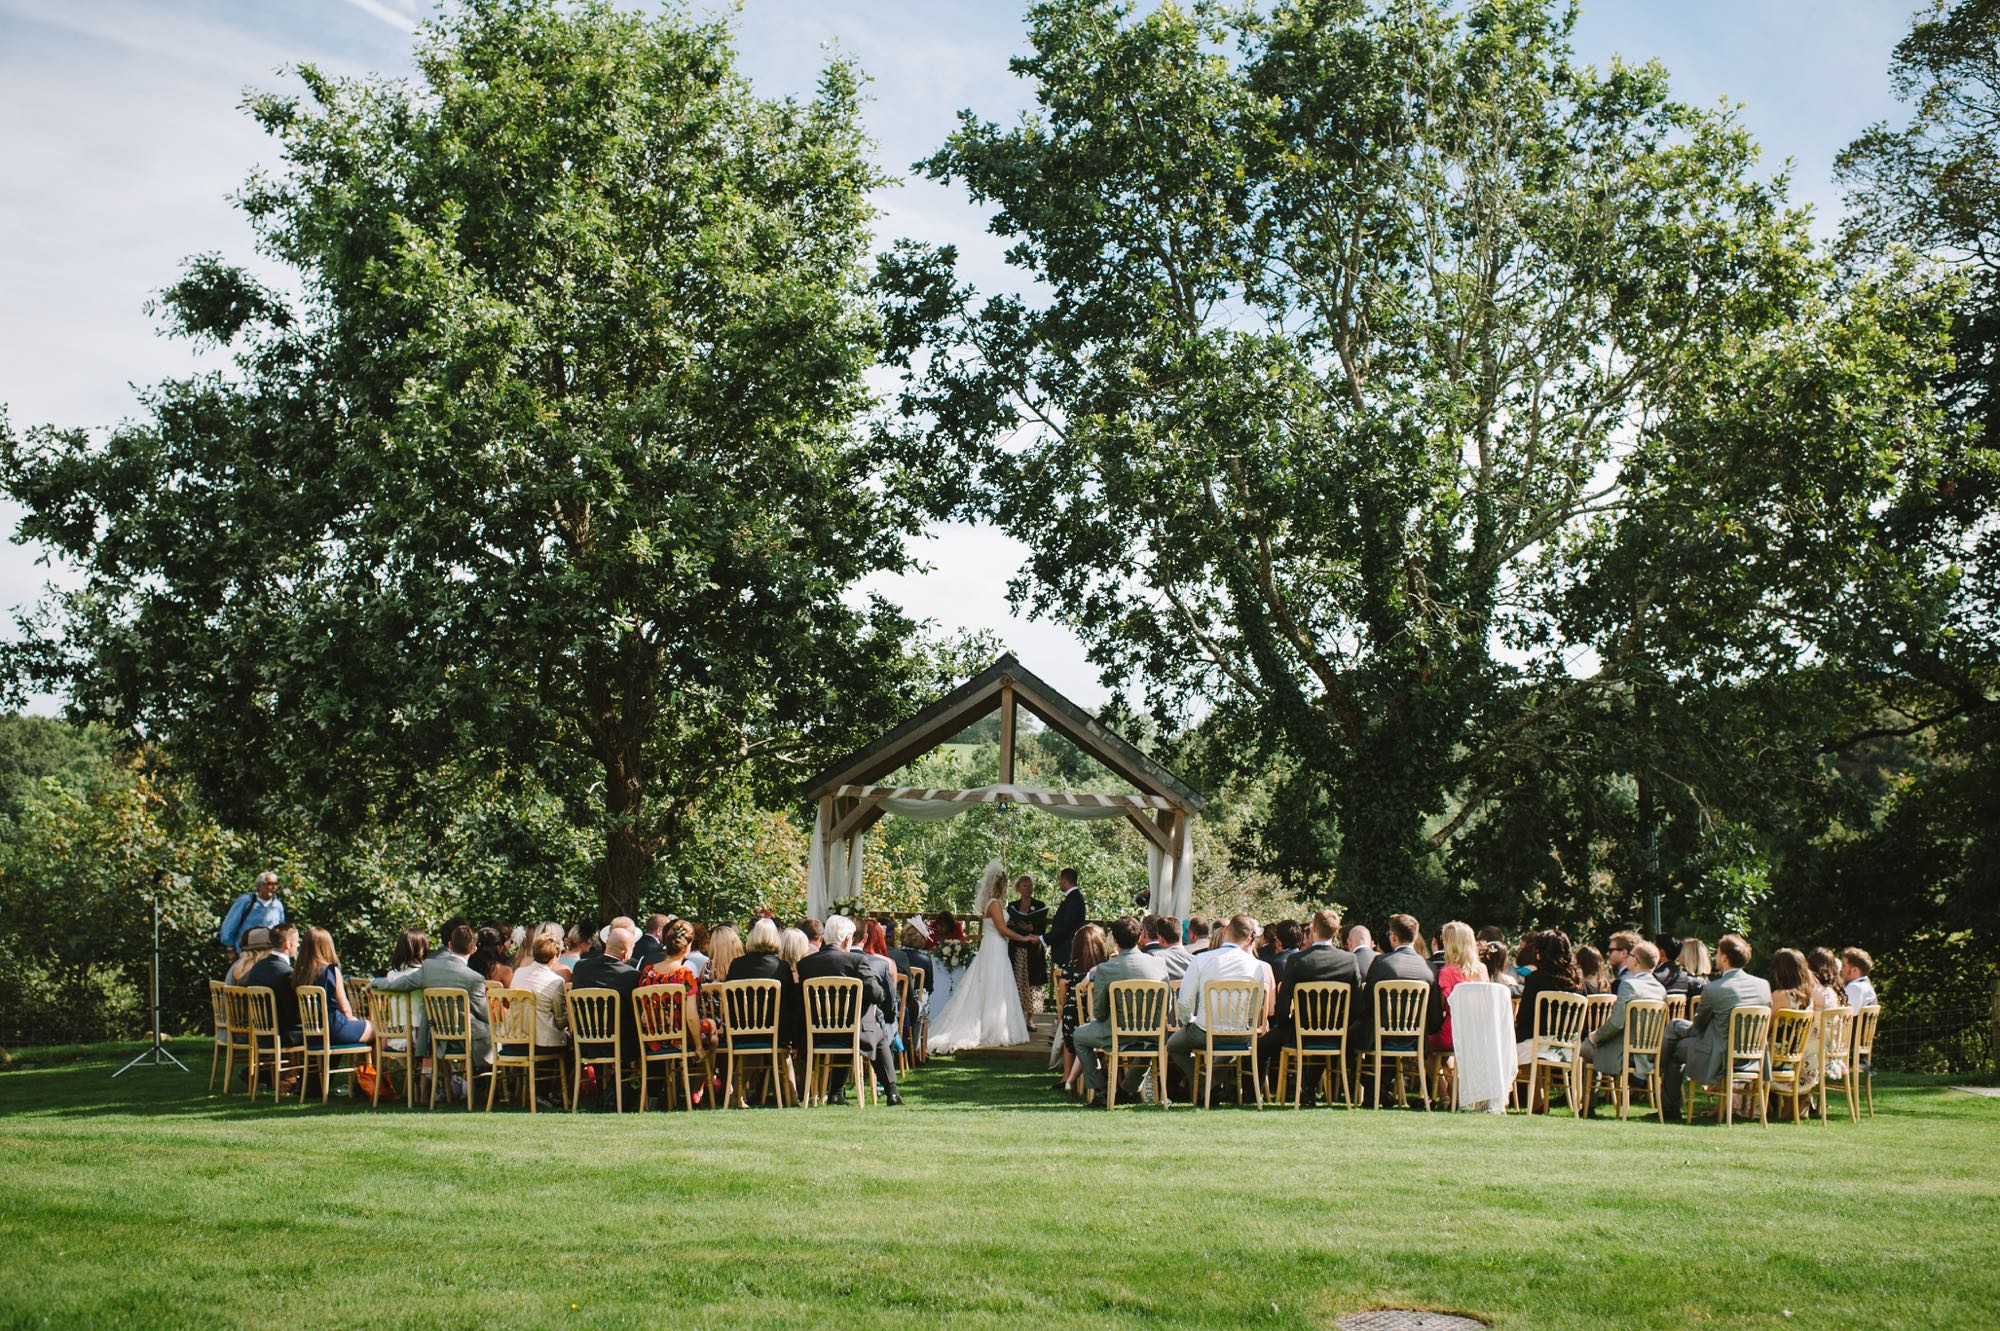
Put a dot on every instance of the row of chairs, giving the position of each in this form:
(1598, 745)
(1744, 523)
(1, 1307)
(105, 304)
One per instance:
(1795, 1055)
(666, 1026)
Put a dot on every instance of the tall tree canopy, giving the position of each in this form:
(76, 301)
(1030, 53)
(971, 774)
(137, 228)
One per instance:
(1440, 409)
(544, 458)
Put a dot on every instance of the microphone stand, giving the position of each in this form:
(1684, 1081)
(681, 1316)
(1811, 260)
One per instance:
(157, 1054)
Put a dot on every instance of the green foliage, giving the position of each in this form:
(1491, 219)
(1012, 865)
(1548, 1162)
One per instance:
(550, 465)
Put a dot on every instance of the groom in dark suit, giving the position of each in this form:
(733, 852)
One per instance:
(1069, 918)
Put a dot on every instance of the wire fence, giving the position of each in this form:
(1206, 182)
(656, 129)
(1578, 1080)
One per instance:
(1956, 1040)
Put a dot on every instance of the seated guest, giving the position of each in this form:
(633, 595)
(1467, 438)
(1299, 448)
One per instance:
(838, 959)
(1229, 959)
(1635, 960)
(319, 967)
(913, 959)
(875, 942)
(1825, 968)
(1400, 962)
(1319, 960)
(1855, 966)
(1093, 1038)
(613, 969)
(697, 957)
(1461, 963)
(1555, 973)
(1669, 973)
(1164, 942)
(576, 944)
(1087, 952)
(1362, 944)
(539, 977)
(489, 951)
(725, 945)
(524, 951)
(650, 948)
(1197, 936)
(868, 932)
(764, 959)
(1285, 938)
(1493, 956)
(1792, 985)
(1699, 1049)
(1590, 966)
(449, 969)
(1695, 968)
(677, 940)
(815, 933)
(274, 972)
(256, 947)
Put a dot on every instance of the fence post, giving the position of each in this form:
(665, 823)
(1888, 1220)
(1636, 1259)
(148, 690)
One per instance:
(1995, 1051)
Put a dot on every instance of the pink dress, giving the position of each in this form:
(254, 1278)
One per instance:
(1448, 979)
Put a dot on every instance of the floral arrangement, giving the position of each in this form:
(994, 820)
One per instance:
(851, 907)
(954, 952)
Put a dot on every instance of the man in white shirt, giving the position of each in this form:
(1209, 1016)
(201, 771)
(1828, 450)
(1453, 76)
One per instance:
(1228, 960)
(1854, 967)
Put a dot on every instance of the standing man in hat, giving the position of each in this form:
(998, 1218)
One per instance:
(259, 908)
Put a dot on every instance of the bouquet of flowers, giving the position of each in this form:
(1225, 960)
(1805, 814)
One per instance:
(955, 953)
(851, 907)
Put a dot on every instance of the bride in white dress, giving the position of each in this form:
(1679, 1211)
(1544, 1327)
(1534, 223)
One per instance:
(985, 1006)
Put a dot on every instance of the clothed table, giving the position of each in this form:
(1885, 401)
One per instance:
(1482, 1037)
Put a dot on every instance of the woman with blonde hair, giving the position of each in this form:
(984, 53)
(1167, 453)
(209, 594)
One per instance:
(1695, 964)
(724, 947)
(1461, 963)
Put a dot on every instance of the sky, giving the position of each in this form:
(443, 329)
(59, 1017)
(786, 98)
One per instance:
(122, 140)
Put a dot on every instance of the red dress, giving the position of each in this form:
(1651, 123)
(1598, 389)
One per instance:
(682, 975)
(1448, 979)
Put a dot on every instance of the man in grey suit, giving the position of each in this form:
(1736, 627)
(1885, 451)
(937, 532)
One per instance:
(1605, 1046)
(1094, 1037)
(1698, 1049)
(1164, 942)
(449, 969)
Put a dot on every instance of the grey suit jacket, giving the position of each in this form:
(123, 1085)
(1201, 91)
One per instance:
(1175, 959)
(446, 970)
(1133, 965)
(1719, 997)
(1607, 1042)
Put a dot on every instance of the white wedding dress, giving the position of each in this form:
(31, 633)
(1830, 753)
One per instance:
(985, 1004)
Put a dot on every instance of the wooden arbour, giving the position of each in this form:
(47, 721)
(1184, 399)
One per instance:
(849, 800)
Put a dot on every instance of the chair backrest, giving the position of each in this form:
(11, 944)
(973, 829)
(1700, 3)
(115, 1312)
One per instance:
(1865, 1021)
(1401, 1007)
(236, 999)
(593, 1016)
(312, 1015)
(448, 1014)
(218, 1008)
(1791, 1033)
(512, 1012)
(1596, 1008)
(902, 991)
(1086, 1002)
(916, 978)
(1677, 1006)
(833, 1006)
(750, 1008)
(391, 1013)
(1645, 1027)
(1836, 1036)
(358, 988)
(1694, 1005)
(261, 1016)
(659, 1013)
(1232, 1007)
(1320, 1008)
(1749, 1034)
(708, 1005)
(1138, 1009)
(1559, 1020)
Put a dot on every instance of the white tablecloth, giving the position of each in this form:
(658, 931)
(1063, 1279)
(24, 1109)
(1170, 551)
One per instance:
(1482, 1037)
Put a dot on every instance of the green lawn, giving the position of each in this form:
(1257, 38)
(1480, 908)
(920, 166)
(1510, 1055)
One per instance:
(142, 1202)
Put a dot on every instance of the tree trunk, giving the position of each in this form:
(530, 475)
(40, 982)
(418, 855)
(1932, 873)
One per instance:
(623, 868)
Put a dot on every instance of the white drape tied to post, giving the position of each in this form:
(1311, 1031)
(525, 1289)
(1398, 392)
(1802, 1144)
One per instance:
(836, 875)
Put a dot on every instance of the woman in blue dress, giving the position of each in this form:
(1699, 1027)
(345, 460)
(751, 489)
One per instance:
(319, 967)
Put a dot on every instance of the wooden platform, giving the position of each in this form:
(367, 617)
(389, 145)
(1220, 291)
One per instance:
(1035, 1050)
